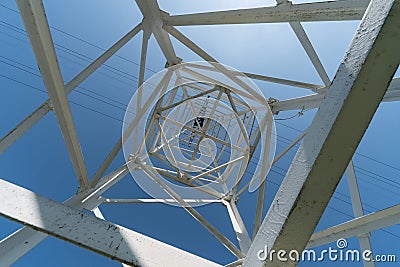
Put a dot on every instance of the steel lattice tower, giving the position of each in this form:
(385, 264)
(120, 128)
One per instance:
(202, 133)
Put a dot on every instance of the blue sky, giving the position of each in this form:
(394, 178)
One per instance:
(39, 160)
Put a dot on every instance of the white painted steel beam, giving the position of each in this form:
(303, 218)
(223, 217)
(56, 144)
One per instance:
(363, 77)
(153, 16)
(311, 53)
(97, 212)
(319, 11)
(223, 239)
(304, 102)
(143, 56)
(205, 56)
(40, 112)
(16, 245)
(142, 68)
(235, 263)
(81, 229)
(314, 101)
(359, 226)
(393, 93)
(92, 67)
(259, 206)
(358, 210)
(156, 201)
(189, 44)
(25, 239)
(238, 225)
(354, 192)
(308, 47)
(37, 28)
(312, 87)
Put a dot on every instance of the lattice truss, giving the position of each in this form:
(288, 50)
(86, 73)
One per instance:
(364, 76)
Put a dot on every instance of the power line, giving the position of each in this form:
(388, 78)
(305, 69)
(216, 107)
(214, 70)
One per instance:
(82, 40)
(76, 54)
(122, 105)
(73, 102)
(377, 161)
(337, 210)
(357, 153)
(69, 59)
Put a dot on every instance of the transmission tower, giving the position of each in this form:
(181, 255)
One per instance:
(197, 133)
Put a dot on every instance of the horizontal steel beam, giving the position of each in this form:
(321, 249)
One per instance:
(157, 201)
(81, 229)
(314, 101)
(312, 87)
(358, 226)
(319, 11)
(304, 102)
